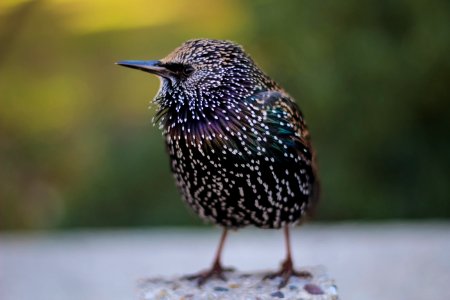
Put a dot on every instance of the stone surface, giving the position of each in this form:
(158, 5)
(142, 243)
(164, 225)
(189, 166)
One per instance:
(240, 285)
(370, 261)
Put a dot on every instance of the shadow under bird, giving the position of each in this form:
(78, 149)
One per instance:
(239, 147)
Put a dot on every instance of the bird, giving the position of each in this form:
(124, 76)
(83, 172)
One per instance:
(239, 147)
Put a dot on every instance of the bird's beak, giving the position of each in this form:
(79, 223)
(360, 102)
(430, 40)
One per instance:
(150, 66)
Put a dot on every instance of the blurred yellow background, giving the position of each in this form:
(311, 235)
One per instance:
(77, 148)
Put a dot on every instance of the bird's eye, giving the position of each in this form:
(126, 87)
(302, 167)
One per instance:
(180, 69)
(187, 70)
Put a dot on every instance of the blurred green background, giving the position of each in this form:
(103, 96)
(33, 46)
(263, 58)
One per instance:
(77, 148)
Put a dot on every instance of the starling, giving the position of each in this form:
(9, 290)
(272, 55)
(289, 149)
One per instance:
(239, 146)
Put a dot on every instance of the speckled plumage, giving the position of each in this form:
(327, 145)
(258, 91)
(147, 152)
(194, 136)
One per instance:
(238, 144)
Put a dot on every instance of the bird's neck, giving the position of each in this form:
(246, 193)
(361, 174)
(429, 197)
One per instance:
(206, 117)
(194, 119)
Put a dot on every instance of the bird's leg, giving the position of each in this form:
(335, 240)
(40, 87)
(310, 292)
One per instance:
(287, 267)
(217, 270)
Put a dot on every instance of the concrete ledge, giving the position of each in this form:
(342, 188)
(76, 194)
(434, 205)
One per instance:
(241, 286)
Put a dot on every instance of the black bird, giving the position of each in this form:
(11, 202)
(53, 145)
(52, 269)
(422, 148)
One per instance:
(239, 147)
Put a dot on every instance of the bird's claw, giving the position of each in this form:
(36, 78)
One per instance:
(216, 272)
(286, 272)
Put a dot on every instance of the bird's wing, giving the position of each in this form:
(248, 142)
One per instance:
(285, 127)
(283, 124)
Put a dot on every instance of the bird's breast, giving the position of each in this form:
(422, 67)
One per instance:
(229, 186)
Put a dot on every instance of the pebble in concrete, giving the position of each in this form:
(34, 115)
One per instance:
(241, 286)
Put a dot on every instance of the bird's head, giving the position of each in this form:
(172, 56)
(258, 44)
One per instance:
(202, 75)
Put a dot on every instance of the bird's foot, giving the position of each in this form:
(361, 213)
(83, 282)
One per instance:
(216, 272)
(286, 272)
